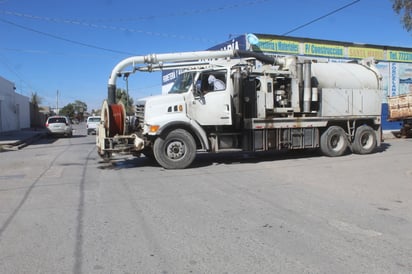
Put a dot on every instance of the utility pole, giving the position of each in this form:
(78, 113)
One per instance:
(57, 102)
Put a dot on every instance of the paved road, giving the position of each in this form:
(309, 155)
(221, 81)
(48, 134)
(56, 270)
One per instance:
(62, 210)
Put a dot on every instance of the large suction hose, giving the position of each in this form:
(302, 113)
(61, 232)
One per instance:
(114, 114)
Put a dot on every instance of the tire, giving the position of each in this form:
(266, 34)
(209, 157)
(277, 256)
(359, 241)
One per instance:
(176, 150)
(333, 142)
(365, 140)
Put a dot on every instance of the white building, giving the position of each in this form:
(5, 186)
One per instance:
(14, 108)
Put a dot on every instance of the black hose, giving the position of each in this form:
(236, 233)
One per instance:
(259, 56)
(111, 94)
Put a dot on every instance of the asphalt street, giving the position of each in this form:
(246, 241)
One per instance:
(64, 210)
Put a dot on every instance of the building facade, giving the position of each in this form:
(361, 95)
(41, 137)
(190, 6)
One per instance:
(14, 108)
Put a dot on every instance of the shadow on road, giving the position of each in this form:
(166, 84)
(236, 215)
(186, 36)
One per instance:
(384, 147)
(227, 158)
(209, 159)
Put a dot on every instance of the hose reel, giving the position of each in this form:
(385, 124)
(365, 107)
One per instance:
(114, 119)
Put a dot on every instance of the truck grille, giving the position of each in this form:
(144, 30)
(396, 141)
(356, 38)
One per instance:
(140, 115)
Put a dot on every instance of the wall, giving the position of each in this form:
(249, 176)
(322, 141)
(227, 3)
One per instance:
(14, 108)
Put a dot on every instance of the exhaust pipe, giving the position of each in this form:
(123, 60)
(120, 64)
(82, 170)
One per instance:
(307, 89)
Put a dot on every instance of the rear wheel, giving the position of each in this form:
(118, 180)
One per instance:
(176, 150)
(364, 141)
(333, 142)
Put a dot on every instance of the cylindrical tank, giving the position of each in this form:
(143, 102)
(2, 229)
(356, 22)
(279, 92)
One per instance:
(345, 75)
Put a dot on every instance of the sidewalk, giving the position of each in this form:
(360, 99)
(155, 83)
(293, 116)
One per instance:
(14, 140)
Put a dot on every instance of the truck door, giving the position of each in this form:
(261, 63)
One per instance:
(209, 103)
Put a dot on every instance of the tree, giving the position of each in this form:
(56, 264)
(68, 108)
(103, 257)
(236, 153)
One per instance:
(123, 96)
(404, 8)
(79, 109)
(74, 110)
(35, 100)
(35, 116)
(68, 111)
(80, 106)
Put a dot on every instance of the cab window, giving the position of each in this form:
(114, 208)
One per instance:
(183, 82)
(212, 81)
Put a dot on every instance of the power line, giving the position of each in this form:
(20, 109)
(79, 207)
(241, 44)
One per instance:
(7, 65)
(188, 12)
(96, 26)
(139, 18)
(322, 17)
(88, 23)
(62, 38)
(92, 25)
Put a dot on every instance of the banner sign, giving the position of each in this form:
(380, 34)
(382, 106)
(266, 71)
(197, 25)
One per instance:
(400, 56)
(394, 79)
(357, 52)
(283, 46)
(236, 43)
(324, 50)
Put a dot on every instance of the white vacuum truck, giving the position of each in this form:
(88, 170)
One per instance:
(262, 103)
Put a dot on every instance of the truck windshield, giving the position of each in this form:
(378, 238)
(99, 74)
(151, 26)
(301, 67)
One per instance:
(183, 82)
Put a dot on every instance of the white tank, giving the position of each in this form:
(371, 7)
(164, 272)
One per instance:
(345, 75)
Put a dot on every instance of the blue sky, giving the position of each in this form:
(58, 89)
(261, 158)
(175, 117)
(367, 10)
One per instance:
(71, 46)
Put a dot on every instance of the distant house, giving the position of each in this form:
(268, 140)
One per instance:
(14, 108)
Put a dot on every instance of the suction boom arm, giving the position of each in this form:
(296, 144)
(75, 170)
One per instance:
(160, 58)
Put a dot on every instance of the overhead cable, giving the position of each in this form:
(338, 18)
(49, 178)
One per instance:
(321, 17)
(62, 38)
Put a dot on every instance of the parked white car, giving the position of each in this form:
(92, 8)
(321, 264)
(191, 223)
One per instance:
(59, 125)
(93, 124)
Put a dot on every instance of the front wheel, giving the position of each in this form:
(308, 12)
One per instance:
(364, 141)
(176, 150)
(333, 142)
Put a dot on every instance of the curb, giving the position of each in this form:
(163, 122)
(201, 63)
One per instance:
(19, 144)
(30, 140)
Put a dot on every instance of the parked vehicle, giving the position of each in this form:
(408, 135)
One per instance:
(59, 125)
(92, 124)
(262, 103)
